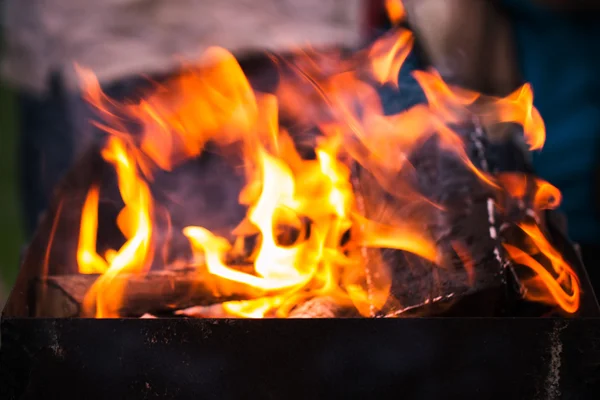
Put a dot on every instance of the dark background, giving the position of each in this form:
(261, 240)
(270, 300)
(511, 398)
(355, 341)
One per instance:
(10, 222)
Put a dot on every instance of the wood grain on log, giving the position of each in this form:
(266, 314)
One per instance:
(322, 307)
(63, 296)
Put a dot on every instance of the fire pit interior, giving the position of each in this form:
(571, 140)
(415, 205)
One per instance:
(284, 188)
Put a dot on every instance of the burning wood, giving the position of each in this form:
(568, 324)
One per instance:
(322, 307)
(344, 210)
(64, 296)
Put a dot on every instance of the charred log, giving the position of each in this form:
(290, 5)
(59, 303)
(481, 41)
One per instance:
(322, 307)
(457, 210)
(155, 292)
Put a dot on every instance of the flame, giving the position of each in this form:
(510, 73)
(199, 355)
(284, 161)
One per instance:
(446, 101)
(395, 10)
(307, 212)
(388, 54)
(519, 186)
(514, 184)
(556, 284)
(134, 256)
(88, 260)
(518, 107)
(451, 104)
(547, 196)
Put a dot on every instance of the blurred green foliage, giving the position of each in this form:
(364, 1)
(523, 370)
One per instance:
(11, 236)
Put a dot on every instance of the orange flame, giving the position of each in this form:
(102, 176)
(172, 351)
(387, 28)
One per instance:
(518, 186)
(88, 260)
(447, 102)
(547, 196)
(388, 54)
(518, 107)
(312, 229)
(557, 284)
(395, 10)
(451, 104)
(134, 256)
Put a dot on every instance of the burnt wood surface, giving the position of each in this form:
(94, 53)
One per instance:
(158, 291)
(498, 358)
(42, 257)
(323, 307)
(459, 220)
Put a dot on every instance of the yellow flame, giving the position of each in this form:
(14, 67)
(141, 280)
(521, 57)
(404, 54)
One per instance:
(557, 285)
(88, 260)
(134, 256)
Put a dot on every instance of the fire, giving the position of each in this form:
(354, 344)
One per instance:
(387, 56)
(519, 186)
(135, 255)
(88, 260)
(557, 285)
(395, 10)
(518, 107)
(309, 218)
(554, 282)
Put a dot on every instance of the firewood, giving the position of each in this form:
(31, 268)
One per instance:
(461, 225)
(63, 296)
(322, 307)
(212, 311)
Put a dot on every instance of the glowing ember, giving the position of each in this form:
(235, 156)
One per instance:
(311, 228)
